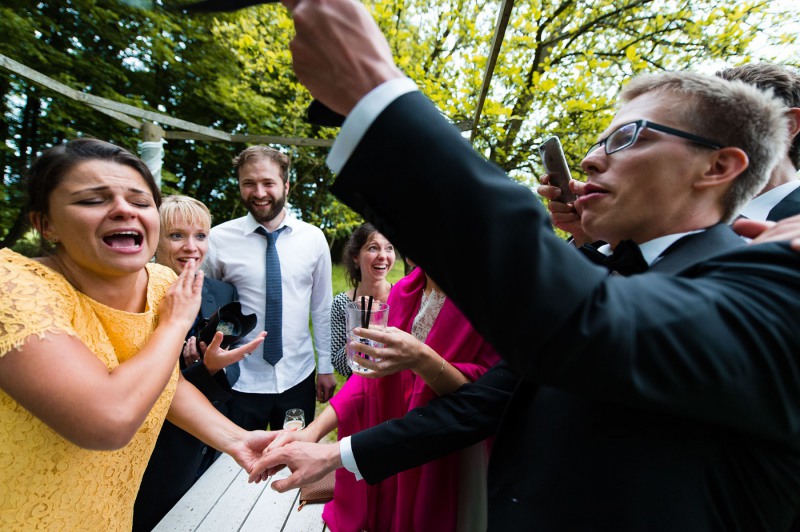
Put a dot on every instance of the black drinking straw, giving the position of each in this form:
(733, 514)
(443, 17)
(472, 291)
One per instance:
(363, 304)
(369, 312)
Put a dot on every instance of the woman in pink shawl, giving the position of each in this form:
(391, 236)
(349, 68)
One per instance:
(430, 497)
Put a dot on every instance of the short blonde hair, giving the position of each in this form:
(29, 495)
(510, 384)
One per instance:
(176, 210)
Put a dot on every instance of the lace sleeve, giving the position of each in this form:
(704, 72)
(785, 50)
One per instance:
(160, 279)
(339, 335)
(34, 300)
(429, 309)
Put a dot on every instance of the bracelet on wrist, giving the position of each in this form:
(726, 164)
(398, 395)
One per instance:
(441, 370)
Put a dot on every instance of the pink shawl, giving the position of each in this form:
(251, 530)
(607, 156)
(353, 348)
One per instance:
(423, 498)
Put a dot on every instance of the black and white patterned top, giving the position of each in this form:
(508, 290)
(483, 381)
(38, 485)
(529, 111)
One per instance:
(339, 335)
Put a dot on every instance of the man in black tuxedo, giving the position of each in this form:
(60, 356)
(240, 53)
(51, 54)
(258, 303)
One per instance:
(780, 198)
(669, 400)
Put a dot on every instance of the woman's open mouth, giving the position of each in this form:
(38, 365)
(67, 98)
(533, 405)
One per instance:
(124, 240)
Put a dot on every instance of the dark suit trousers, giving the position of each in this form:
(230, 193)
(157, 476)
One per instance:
(257, 411)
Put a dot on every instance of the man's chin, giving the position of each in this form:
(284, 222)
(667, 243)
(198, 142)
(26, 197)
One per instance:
(264, 215)
(592, 226)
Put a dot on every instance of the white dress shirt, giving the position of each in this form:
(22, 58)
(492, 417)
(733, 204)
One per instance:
(236, 255)
(758, 208)
(652, 249)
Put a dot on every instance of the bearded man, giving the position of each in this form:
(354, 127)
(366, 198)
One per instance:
(281, 267)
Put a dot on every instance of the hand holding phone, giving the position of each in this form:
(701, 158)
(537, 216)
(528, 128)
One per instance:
(555, 165)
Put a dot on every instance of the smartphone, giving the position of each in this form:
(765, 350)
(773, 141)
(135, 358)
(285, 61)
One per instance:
(555, 165)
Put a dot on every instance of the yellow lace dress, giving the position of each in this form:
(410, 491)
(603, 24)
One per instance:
(46, 482)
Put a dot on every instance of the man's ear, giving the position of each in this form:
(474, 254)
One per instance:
(724, 166)
(793, 113)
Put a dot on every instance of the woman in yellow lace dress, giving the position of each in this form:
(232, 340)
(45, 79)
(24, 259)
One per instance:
(88, 336)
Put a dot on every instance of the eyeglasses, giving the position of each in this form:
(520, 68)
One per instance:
(626, 135)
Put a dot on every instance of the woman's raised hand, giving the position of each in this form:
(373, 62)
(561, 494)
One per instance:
(181, 304)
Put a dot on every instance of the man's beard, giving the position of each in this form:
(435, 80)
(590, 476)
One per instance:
(263, 216)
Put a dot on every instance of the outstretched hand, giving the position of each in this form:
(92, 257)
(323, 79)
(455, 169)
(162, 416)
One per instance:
(338, 52)
(181, 303)
(285, 437)
(215, 357)
(248, 450)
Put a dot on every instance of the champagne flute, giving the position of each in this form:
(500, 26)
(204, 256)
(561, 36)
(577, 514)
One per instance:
(295, 419)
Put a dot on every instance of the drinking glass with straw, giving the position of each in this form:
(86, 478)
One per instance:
(367, 314)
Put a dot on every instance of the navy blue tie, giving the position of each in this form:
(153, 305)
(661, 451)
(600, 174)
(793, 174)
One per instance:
(273, 308)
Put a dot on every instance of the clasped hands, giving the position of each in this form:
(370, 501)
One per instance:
(307, 460)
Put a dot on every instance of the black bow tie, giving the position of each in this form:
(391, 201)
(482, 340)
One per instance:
(627, 259)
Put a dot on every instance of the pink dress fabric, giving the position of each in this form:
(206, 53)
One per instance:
(426, 497)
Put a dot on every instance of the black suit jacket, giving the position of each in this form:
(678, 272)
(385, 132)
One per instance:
(178, 457)
(788, 206)
(474, 411)
(654, 402)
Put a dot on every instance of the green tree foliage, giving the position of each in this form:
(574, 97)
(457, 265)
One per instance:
(151, 59)
(562, 63)
(559, 72)
(268, 94)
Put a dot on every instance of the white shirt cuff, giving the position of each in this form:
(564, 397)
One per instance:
(362, 116)
(324, 366)
(348, 460)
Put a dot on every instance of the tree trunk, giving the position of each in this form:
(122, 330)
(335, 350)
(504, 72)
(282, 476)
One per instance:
(17, 230)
